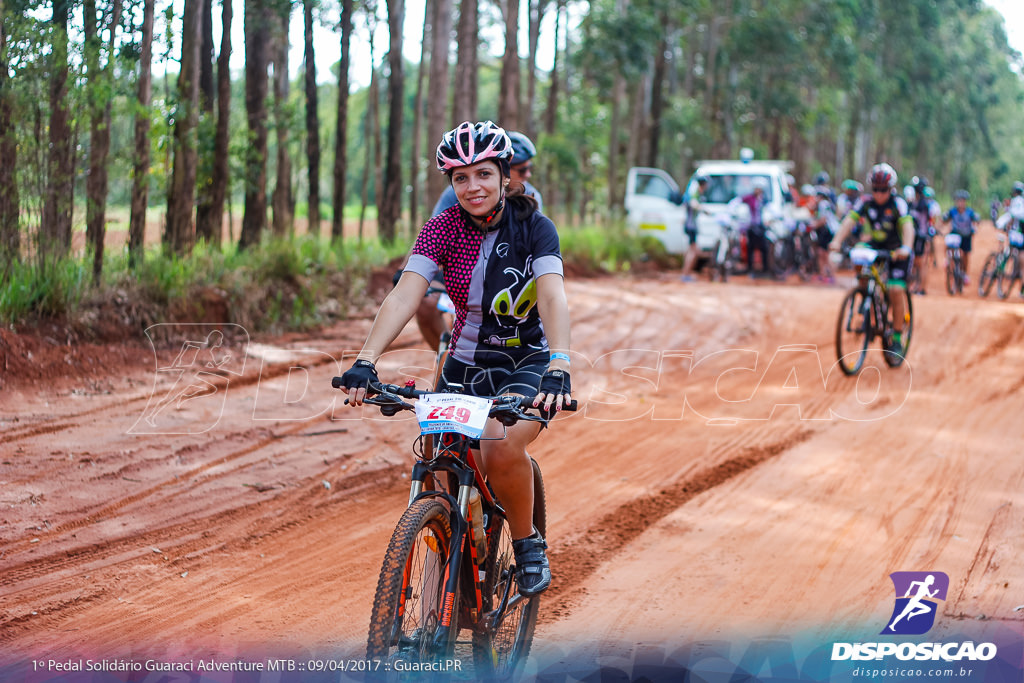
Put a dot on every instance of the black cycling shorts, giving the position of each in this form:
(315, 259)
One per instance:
(502, 375)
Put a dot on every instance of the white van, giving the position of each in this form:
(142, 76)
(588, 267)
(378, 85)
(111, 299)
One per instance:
(655, 206)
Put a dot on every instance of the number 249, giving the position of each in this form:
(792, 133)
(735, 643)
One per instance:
(450, 413)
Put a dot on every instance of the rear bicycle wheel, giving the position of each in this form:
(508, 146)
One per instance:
(407, 607)
(1008, 276)
(988, 275)
(853, 331)
(499, 652)
(893, 359)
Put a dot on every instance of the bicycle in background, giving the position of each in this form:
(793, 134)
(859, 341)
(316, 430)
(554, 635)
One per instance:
(1002, 267)
(954, 265)
(866, 314)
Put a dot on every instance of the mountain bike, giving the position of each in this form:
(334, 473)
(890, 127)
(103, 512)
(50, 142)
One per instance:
(727, 254)
(449, 565)
(1010, 274)
(995, 263)
(954, 265)
(866, 314)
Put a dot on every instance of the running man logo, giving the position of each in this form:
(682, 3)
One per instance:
(917, 596)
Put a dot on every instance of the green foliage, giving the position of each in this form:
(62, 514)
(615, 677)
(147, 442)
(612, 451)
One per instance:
(604, 249)
(50, 290)
(283, 285)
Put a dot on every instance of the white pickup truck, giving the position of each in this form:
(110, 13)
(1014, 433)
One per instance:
(655, 205)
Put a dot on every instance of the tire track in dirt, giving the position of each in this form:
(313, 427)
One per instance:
(178, 546)
(578, 557)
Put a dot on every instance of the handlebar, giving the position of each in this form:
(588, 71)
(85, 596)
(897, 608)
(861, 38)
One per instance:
(507, 409)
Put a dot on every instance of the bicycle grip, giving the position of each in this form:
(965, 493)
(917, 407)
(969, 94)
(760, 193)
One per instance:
(336, 382)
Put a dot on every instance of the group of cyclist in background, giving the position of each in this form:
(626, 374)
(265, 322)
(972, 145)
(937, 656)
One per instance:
(825, 210)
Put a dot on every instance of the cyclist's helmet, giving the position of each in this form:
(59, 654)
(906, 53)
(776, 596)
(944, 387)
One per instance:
(807, 190)
(919, 182)
(821, 179)
(470, 143)
(929, 192)
(522, 148)
(961, 194)
(1018, 188)
(701, 179)
(850, 185)
(882, 177)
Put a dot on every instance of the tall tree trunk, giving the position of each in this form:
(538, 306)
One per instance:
(437, 116)
(57, 207)
(614, 144)
(553, 191)
(140, 175)
(657, 99)
(257, 39)
(551, 113)
(10, 202)
(509, 95)
(536, 10)
(220, 179)
(465, 99)
(97, 181)
(341, 135)
(179, 235)
(417, 125)
(371, 138)
(390, 209)
(207, 222)
(282, 197)
(312, 121)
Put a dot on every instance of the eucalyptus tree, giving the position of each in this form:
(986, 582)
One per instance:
(390, 205)
(179, 233)
(258, 19)
(141, 147)
(312, 118)
(341, 133)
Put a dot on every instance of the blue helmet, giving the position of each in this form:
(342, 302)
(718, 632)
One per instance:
(522, 148)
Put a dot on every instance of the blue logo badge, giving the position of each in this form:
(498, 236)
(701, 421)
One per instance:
(917, 596)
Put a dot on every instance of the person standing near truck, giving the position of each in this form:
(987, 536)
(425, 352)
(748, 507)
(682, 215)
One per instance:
(693, 208)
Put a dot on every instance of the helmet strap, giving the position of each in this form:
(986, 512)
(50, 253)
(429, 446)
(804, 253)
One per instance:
(485, 224)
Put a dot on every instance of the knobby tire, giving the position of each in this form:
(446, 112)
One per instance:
(499, 655)
(1008, 276)
(894, 360)
(853, 332)
(988, 275)
(407, 605)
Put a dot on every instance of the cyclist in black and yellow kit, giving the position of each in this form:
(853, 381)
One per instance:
(890, 228)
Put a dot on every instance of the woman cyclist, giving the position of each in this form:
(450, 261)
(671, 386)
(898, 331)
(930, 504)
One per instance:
(503, 271)
(890, 228)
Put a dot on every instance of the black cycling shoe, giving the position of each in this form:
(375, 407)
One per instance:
(533, 575)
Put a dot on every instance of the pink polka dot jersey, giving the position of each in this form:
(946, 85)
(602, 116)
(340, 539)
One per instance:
(507, 261)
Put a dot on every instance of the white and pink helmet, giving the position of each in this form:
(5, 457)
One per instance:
(469, 143)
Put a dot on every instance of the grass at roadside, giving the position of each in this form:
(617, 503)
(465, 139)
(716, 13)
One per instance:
(282, 285)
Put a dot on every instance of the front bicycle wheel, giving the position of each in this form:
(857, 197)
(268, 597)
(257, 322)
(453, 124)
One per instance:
(988, 275)
(954, 277)
(500, 650)
(853, 331)
(407, 608)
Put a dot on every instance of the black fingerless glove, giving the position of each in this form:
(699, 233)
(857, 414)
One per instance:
(359, 375)
(555, 382)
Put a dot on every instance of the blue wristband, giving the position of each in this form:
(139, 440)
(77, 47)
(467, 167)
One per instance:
(561, 356)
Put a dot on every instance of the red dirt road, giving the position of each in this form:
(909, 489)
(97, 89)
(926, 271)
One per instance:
(724, 483)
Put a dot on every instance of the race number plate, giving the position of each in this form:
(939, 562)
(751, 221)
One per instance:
(452, 413)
